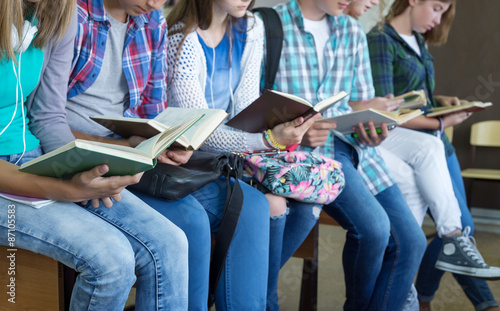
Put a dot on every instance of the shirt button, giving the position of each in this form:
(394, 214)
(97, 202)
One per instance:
(93, 75)
(103, 43)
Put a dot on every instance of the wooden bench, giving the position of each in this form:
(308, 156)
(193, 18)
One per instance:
(39, 281)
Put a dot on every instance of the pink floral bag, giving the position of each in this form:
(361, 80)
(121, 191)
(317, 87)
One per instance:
(301, 176)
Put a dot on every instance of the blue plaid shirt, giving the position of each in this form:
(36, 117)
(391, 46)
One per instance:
(144, 57)
(347, 68)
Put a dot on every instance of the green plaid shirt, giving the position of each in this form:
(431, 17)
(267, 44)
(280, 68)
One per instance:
(398, 69)
(347, 68)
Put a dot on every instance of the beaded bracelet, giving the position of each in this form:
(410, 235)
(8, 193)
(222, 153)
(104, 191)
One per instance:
(272, 142)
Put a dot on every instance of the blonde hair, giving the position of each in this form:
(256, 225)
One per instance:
(54, 18)
(437, 35)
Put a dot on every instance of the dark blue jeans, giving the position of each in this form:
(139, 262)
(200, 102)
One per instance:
(384, 244)
(428, 278)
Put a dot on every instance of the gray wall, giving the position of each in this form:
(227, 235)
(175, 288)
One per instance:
(464, 65)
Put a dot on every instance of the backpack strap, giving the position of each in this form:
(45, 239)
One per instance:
(274, 43)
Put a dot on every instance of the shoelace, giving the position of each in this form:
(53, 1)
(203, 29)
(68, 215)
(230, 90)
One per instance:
(469, 246)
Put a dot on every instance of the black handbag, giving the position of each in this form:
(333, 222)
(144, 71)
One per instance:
(173, 183)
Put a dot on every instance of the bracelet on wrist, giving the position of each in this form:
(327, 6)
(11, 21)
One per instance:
(441, 124)
(271, 141)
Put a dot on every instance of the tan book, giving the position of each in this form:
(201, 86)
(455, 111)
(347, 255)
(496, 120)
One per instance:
(412, 99)
(273, 108)
(468, 107)
(192, 139)
(82, 155)
(346, 122)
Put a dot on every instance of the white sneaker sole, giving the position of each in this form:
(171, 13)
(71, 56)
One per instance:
(485, 274)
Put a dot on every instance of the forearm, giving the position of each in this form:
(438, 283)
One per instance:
(358, 105)
(423, 123)
(15, 182)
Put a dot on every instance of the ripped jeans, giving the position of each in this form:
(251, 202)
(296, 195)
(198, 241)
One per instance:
(287, 232)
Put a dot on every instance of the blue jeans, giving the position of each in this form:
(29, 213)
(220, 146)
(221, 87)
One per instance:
(243, 283)
(109, 247)
(384, 243)
(428, 278)
(287, 232)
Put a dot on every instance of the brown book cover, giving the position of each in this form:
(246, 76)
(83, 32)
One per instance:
(273, 108)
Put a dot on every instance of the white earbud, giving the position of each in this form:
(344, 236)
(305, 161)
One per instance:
(29, 33)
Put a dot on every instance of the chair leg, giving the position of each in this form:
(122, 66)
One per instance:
(309, 288)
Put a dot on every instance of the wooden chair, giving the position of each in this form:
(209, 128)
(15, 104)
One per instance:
(483, 134)
(39, 281)
(309, 252)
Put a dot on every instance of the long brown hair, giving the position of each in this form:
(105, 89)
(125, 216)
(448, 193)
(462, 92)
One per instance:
(54, 18)
(437, 35)
(194, 13)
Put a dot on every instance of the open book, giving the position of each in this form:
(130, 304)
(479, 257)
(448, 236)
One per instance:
(468, 107)
(273, 108)
(82, 155)
(33, 202)
(192, 139)
(346, 122)
(413, 99)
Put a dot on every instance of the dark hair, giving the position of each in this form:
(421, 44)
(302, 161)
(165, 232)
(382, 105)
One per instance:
(437, 35)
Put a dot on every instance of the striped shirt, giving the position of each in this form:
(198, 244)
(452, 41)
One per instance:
(347, 68)
(144, 57)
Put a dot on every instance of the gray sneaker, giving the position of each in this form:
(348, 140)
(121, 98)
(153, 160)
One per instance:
(459, 255)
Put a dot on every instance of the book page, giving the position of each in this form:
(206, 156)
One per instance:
(158, 143)
(327, 103)
(346, 122)
(293, 97)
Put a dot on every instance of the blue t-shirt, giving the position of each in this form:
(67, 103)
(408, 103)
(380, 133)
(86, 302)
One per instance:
(11, 140)
(224, 67)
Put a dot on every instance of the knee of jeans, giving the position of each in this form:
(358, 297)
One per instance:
(111, 264)
(277, 206)
(316, 211)
(375, 233)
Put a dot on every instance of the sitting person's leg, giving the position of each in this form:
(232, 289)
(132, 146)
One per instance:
(428, 278)
(424, 153)
(243, 283)
(373, 266)
(101, 253)
(190, 217)
(300, 220)
(161, 252)
(277, 222)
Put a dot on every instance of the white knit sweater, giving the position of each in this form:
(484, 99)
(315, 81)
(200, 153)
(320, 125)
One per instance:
(187, 74)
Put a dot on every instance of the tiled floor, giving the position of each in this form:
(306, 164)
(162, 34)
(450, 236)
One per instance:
(331, 285)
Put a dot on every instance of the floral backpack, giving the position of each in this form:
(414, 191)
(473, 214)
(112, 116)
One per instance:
(302, 176)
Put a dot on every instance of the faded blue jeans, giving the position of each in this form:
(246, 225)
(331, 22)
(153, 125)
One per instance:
(243, 283)
(384, 243)
(109, 248)
(428, 278)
